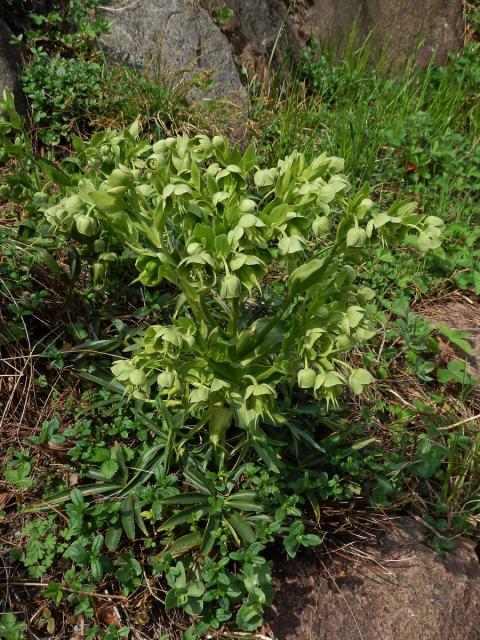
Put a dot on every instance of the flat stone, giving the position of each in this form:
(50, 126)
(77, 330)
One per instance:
(397, 589)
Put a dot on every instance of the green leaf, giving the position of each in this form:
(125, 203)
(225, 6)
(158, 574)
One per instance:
(109, 468)
(49, 261)
(183, 517)
(354, 316)
(54, 174)
(249, 617)
(305, 276)
(358, 379)
(209, 536)
(113, 536)
(64, 496)
(77, 552)
(186, 498)
(106, 202)
(96, 569)
(182, 545)
(458, 338)
(356, 237)
(241, 527)
(128, 516)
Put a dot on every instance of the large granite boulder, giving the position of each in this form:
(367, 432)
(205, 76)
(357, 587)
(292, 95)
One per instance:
(175, 41)
(10, 66)
(393, 588)
(262, 34)
(256, 30)
(399, 24)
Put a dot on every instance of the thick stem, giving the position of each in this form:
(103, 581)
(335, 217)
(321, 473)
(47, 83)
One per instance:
(234, 317)
(264, 332)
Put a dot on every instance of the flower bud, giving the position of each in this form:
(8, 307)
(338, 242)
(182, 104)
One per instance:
(99, 245)
(98, 273)
(85, 225)
(356, 237)
(160, 146)
(247, 205)
(166, 379)
(231, 287)
(218, 142)
(73, 204)
(321, 226)
(61, 215)
(120, 178)
(137, 377)
(194, 247)
(363, 208)
(116, 191)
(203, 144)
(306, 378)
(108, 257)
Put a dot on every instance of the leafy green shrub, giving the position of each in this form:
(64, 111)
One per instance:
(331, 79)
(200, 217)
(62, 93)
(63, 73)
(436, 165)
(71, 23)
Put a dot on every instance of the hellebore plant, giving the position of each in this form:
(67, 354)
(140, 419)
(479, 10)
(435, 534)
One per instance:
(264, 262)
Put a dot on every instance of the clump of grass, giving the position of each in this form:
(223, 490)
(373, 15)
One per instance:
(349, 107)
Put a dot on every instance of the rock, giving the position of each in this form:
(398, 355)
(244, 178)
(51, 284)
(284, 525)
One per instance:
(175, 41)
(10, 66)
(397, 589)
(257, 31)
(457, 312)
(399, 24)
